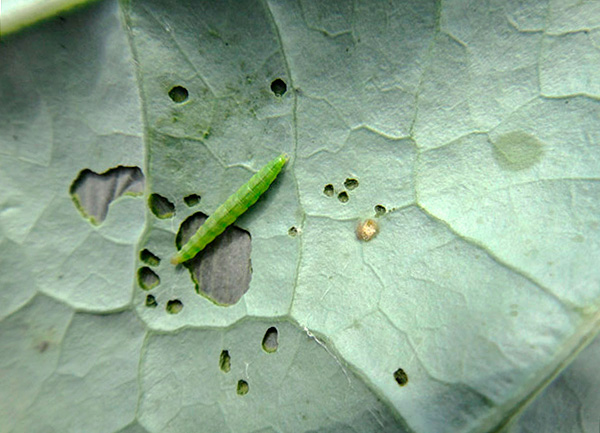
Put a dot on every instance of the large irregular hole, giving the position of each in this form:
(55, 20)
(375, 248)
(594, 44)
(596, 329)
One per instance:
(400, 377)
(242, 387)
(278, 87)
(147, 257)
(270, 340)
(160, 206)
(222, 271)
(147, 278)
(92, 193)
(225, 361)
(178, 94)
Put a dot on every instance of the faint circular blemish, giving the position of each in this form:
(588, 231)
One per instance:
(517, 150)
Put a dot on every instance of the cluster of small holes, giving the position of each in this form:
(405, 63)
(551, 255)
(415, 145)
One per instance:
(350, 184)
(178, 94)
(400, 377)
(160, 206)
(278, 87)
(174, 306)
(147, 278)
(191, 200)
(269, 344)
(149, 258)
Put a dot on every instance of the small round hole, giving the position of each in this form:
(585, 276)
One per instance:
(293, 231)
(147, 278)
(151, 301)
(178, 94)
(160, 206)
(401, 377)
(192, 200)
(278, 87)
(242, 387)
(343, 197)
(351, 184)
(225, 361)
(147, 257)
(328, 190)
(380, 210)
(174, 306)
(270, 340)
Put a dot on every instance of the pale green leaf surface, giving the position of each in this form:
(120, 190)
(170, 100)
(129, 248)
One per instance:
(476, 126)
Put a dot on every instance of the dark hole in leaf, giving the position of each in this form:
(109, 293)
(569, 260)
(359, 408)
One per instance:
(222, 271)
(92, 193)
(225, 361)
(147, 257)
(401, 377)
(151, 301)
(174, 306)
(242, 387)
(328, 190)
(380, 210)
(147, 278)
(293, 231)
(343, 197)
(270, 340)
(351, 183)
(178, 94)
(192, 200)
(160, 206)
(278, 87)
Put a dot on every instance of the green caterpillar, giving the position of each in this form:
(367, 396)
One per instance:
(233, 207)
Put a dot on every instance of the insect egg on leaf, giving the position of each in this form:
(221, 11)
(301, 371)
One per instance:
(367, 229)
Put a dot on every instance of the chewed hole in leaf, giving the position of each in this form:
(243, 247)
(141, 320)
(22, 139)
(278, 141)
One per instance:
(151, 301)
(160, 206)
(174, 306)
(178, 94)
(278, 87)
(147, 278)
(225, 361)
(380, 210)
(92, 193)
(147, 257)
(270, 340)
(293, 231)
(328, 190)
(400, 377)
(192, 200)
(222, 271)
(343, 197)
(242, 387)
(351, 184)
